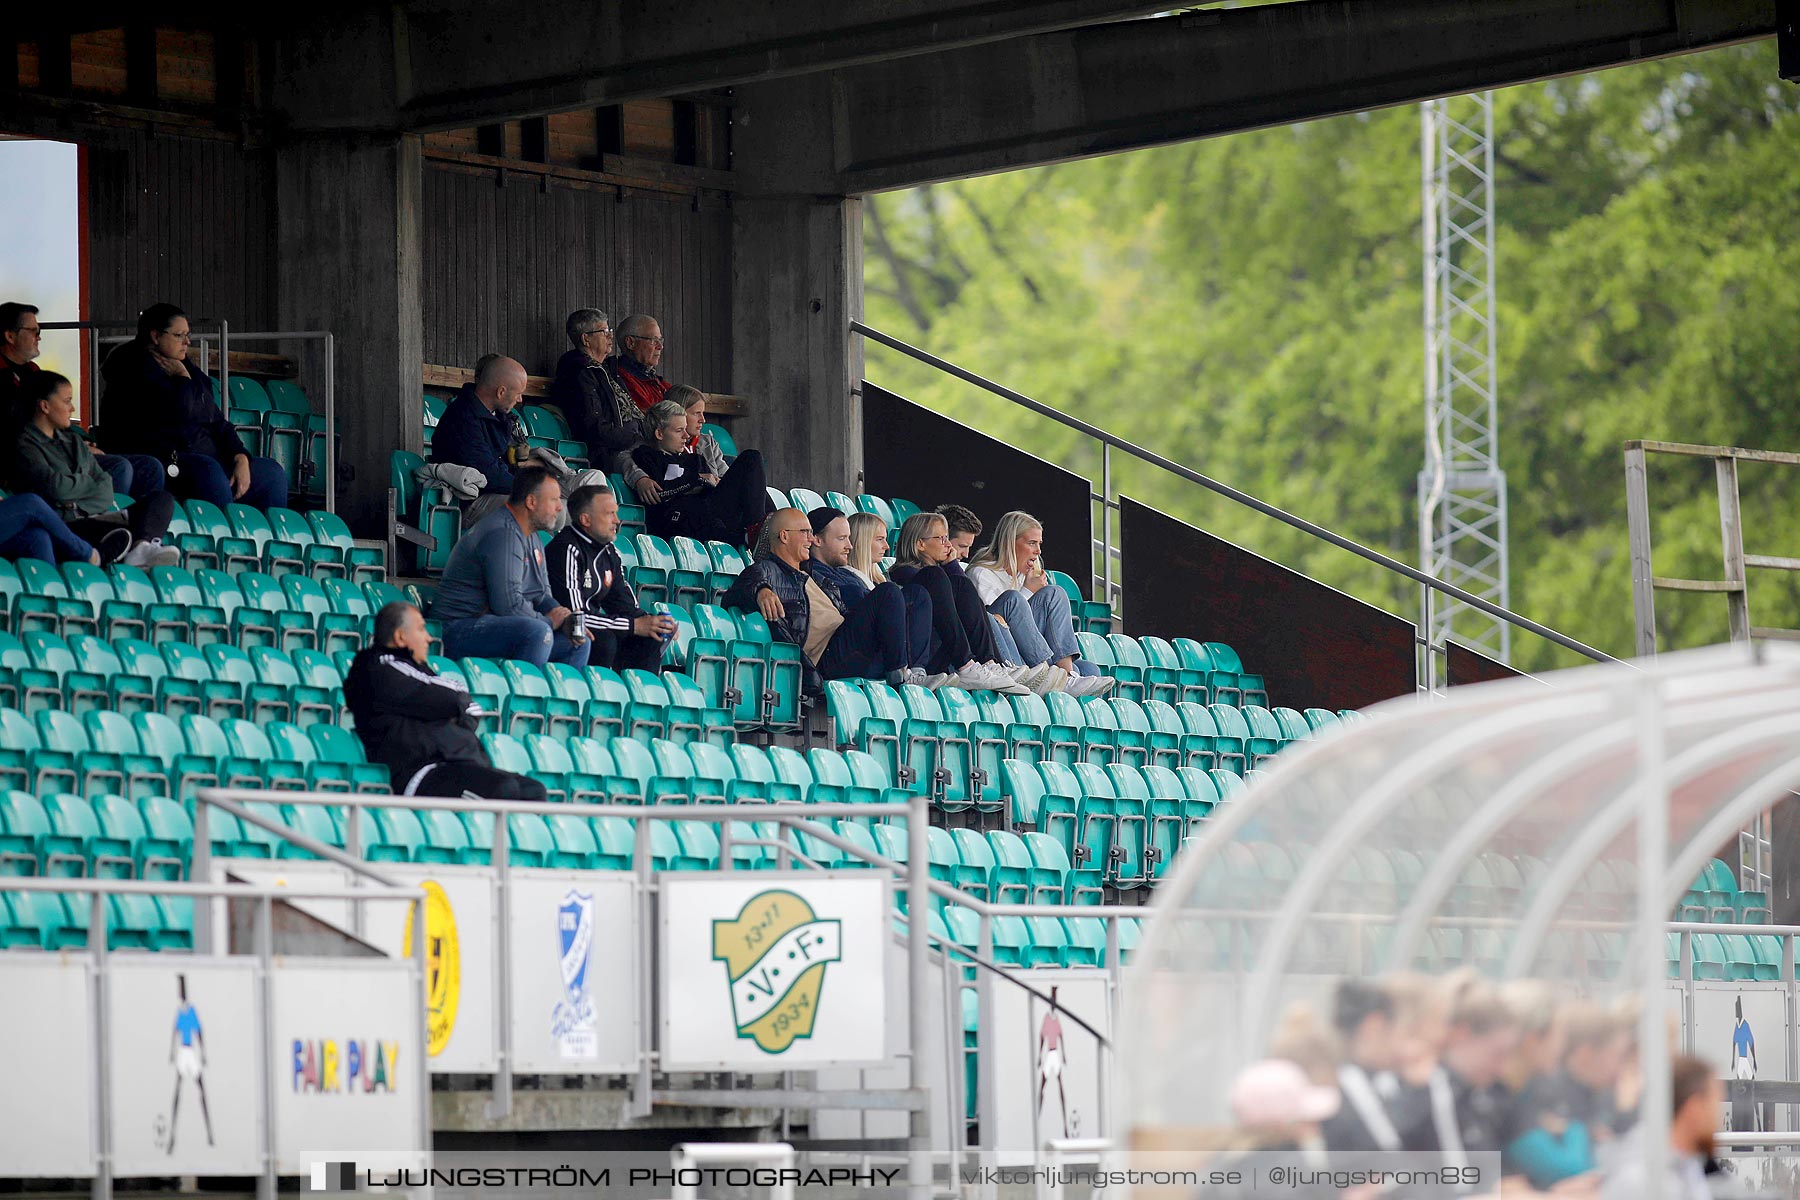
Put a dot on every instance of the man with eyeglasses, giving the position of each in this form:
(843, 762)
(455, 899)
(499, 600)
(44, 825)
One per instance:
(640, 360)
(881, 636)
(134, 475)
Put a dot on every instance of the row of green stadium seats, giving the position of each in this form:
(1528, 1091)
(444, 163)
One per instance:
(950, 743)
(278, 541)
(1039, 942)
(56, 921)
(129, 675)
(248, 608)
(275, 418)
(149, 753)
(1151, 668)
(1125, 822)
(518, 699)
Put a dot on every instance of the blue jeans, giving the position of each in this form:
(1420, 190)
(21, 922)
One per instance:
(134, 475)
(523, 639)
(204, 477)
(30, 528)
(887, 630)
(1003, 643)
(1041, 626)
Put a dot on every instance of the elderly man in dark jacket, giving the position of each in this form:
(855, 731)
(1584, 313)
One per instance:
(882, 637)
(418, 723)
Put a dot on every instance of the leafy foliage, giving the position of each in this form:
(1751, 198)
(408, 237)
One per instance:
(1250, 306)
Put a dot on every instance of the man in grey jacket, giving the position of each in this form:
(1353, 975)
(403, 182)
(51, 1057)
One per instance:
(494, 599)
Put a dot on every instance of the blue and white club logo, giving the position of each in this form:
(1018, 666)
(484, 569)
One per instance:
(572, 1021)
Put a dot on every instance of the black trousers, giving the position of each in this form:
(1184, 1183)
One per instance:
(724, 513)
(148, 518)
(625, 651)
(452, 780)
(959, 619)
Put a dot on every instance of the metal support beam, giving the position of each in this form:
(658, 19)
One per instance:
(444, 64)
(1100, 90)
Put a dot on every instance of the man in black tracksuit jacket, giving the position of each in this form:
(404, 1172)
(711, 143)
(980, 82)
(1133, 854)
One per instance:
(588, 578)
(418, 723)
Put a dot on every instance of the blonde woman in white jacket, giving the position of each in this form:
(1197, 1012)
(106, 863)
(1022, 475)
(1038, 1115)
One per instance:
(1009, 575)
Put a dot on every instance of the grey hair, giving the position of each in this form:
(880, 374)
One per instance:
(633, 326)
(582, 322)
(661, 413)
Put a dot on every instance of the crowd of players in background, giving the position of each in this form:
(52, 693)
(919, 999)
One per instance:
(1455, 1065)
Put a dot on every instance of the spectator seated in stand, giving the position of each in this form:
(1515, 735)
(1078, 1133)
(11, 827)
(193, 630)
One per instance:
(587, 577)
(639, 362)
(598, 408)
(481, 429)
(134, 475)
(964, 653)
(418, 723)
(494, 598)
(691, 501)
(883, 636)
(476, 431)
(964, 527)
(1009, 573)
(30, 528)
(158, 403)
(53, 461)
(868, 546)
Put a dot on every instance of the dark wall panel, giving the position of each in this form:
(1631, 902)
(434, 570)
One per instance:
(504, 264)
(182, 219)
(1471, 666)
(929, 459)
(1315, 646)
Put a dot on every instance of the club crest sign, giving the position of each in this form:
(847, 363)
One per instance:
(443, 965)
(776, 951)
(572, 1022)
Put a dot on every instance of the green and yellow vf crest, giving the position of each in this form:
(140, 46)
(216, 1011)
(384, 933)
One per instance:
(775, 951)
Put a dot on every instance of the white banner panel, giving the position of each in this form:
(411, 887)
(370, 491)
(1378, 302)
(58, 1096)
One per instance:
(1046, 1062)
(47, 1044)
(1751, 1046)
(459, 951)
(573, 972)
(945, 1055)
(772, 970)
(182, 1070)
(345, 1058)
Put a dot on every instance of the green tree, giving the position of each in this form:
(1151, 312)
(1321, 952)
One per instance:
(1250, 306)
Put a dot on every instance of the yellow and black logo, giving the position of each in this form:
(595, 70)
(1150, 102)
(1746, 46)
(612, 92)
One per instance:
(443, 966)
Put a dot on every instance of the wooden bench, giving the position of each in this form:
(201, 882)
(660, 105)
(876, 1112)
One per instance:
(718, 404)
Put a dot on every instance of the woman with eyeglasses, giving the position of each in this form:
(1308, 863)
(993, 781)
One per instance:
(963, 650)
(159, 402)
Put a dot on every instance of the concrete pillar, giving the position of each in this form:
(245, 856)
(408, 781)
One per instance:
(797, 284)
(348, 228)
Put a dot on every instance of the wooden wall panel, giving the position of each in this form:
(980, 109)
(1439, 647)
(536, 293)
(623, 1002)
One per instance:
(97, 62)
(506, 263)
(1316, 647)
(186, 71)
(186, 220)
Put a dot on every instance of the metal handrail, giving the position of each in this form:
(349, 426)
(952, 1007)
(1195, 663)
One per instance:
(1392, 565)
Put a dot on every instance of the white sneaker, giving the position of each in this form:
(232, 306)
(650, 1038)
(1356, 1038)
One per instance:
(934, 682)
(1053, 680)
(916, 677)
(1088, 685)
(980, 677)
(151, 553)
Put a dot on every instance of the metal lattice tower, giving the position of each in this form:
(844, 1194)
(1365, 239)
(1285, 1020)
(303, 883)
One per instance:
(1462, 491)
